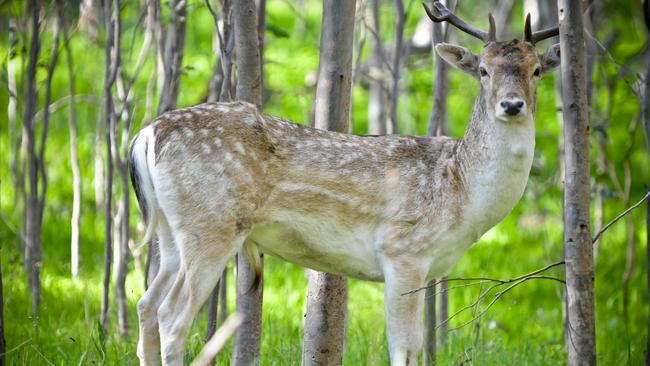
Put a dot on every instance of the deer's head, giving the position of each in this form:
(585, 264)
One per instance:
(508, 70)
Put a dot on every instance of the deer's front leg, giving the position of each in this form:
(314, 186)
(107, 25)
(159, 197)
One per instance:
(404, 312)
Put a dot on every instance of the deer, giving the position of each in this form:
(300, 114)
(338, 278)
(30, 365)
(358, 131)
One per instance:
(216, 178)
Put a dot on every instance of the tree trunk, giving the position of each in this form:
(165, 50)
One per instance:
(172, 55)
(249, 88)
(443, 318)
(326, 309)
(429, 354)
(74, 155)
(377, 72)
(111, 13)
(12, 110)
(578, 253)
(223, 296)
(502, 14)
(397, 65)
(32, 230)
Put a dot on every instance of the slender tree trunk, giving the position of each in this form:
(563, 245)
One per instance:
(578, 252)
(12, 110)
(212, 312)
(37, 172)
(172, 55)
(98, 179)
(502, 14)
(443, 318)
(325, 320)
(377, 92)
(111, 14)
(74, 155)
(429, 354)
(32, 223)
(223, 297)
(249, 88)
(396, 66)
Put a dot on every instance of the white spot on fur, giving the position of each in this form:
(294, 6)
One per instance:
(217, 142)
(206, 148)
(188, 133)
(240, 148)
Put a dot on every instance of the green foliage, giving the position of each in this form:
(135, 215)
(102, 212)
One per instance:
(525, 327)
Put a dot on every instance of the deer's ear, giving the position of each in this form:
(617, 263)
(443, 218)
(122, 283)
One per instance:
(458, 57)
(550, 60)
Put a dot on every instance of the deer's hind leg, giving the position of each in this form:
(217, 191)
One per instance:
(149, 339)
(204, 252)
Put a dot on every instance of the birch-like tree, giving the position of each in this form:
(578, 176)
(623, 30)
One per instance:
(36, 172)
(578, 253)
(326, 309)
(249, 88)
(111, 15)
(74, 151)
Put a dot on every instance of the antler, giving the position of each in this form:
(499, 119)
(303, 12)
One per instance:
(541, 35)
(440, 13)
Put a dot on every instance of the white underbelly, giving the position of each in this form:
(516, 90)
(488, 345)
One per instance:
(322, 244)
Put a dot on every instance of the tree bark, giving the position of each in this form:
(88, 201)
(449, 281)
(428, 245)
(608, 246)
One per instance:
(397, 65)
(12, 110)
(74, 155)
(429, 354)
(111, 13)
(502, 14)
(172, 55)
(377, 72)
(32, 228)
(326, 309)
(249, 88)
(578, 253)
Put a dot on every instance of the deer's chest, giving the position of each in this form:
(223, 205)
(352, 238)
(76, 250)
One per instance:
(498, 185)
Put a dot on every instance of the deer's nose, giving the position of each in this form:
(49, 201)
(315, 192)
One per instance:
(512, 107)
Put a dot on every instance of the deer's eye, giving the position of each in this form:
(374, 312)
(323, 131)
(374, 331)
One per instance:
(482, 71)
(537, 72)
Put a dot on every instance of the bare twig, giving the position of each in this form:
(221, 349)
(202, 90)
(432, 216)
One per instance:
(218, 340)
(488, 279)
(627, 211)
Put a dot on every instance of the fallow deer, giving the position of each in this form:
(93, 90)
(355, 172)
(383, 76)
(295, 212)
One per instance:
(216, 177)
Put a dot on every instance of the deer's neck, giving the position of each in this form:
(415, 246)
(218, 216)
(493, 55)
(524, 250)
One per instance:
(495, 157)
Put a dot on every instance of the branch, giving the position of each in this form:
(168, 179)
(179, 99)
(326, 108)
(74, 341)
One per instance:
(597, 236)
(488, 279)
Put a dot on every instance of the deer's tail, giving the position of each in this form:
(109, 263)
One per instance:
(142, 158)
